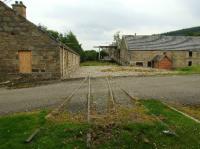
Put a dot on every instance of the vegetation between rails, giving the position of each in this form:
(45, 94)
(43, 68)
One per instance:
(64, 134)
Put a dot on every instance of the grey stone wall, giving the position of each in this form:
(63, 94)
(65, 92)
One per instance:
(179, 58)
(69, 63)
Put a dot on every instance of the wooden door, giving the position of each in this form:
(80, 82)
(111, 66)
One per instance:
(25, 62)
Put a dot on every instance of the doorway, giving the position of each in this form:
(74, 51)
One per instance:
(25, 61)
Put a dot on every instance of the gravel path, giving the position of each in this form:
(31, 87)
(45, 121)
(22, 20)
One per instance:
(99, 71)
(120, 97)
(100, 94)
(78, 103)
(20, 100)
(183, 89)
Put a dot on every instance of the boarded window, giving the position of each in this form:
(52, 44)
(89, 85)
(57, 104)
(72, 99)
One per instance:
(25, 62)
(190, 63)
(190, 53)
(139, 64)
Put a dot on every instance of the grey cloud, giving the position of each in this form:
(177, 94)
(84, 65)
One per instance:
(95, 21)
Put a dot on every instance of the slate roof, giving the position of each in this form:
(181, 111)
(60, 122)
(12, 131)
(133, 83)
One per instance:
(161, 42)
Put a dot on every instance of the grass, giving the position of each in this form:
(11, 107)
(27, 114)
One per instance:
(97, 63)
(130, 134)
(186, 129)
(193, 110)
(189, 70)
(14, 130)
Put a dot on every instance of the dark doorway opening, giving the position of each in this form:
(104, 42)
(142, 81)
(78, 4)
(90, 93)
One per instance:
(139, 64)
(190, 63)
(149, 64)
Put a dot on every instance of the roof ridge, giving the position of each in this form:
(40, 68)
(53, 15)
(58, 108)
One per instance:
(132, 35)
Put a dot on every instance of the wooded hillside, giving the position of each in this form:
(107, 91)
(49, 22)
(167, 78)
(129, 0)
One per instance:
(194, 31)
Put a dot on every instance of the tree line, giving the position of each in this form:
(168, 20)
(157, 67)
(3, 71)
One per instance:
(70, 40)
(194, 31)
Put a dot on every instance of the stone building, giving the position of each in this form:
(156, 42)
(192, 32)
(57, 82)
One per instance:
(158, 51)
(25, 49)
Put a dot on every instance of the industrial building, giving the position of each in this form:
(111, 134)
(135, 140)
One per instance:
(157, 51)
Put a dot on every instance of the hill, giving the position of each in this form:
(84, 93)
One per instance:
(194, 31)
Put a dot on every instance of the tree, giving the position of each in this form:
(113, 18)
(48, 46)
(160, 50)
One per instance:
(69, 39)
(117, 36)
(117, 39)
(91, 55)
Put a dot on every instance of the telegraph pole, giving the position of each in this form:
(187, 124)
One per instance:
(99, 54)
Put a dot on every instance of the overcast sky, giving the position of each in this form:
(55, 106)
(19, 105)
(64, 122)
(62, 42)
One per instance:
(95, 21)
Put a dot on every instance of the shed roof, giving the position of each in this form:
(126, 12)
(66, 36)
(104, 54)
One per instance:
(159, 58)
(161, 42)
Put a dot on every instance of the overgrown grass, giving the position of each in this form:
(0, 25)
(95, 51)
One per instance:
(193, 110)
(14, 130)
(141, 135)
(186, 129)
(97, 63)
(189, 70)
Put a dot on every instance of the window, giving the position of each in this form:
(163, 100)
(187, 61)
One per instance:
(42, 70)
(190, 53)
(190, 63)
(149, 64)
(35, 70)
(139, 64)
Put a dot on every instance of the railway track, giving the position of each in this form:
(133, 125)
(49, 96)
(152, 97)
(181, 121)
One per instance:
(105, 97)
(101, 102)
(92, 114)
(109, 90)
(98, 99)
(59, 109)
(66, 101)
(122, 97)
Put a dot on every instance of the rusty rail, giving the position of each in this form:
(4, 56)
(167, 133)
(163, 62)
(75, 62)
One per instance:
(60, 107)
(56, 111)
(111, 97)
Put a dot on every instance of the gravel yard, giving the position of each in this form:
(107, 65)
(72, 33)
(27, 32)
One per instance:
(99, 71)
(182, 89)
